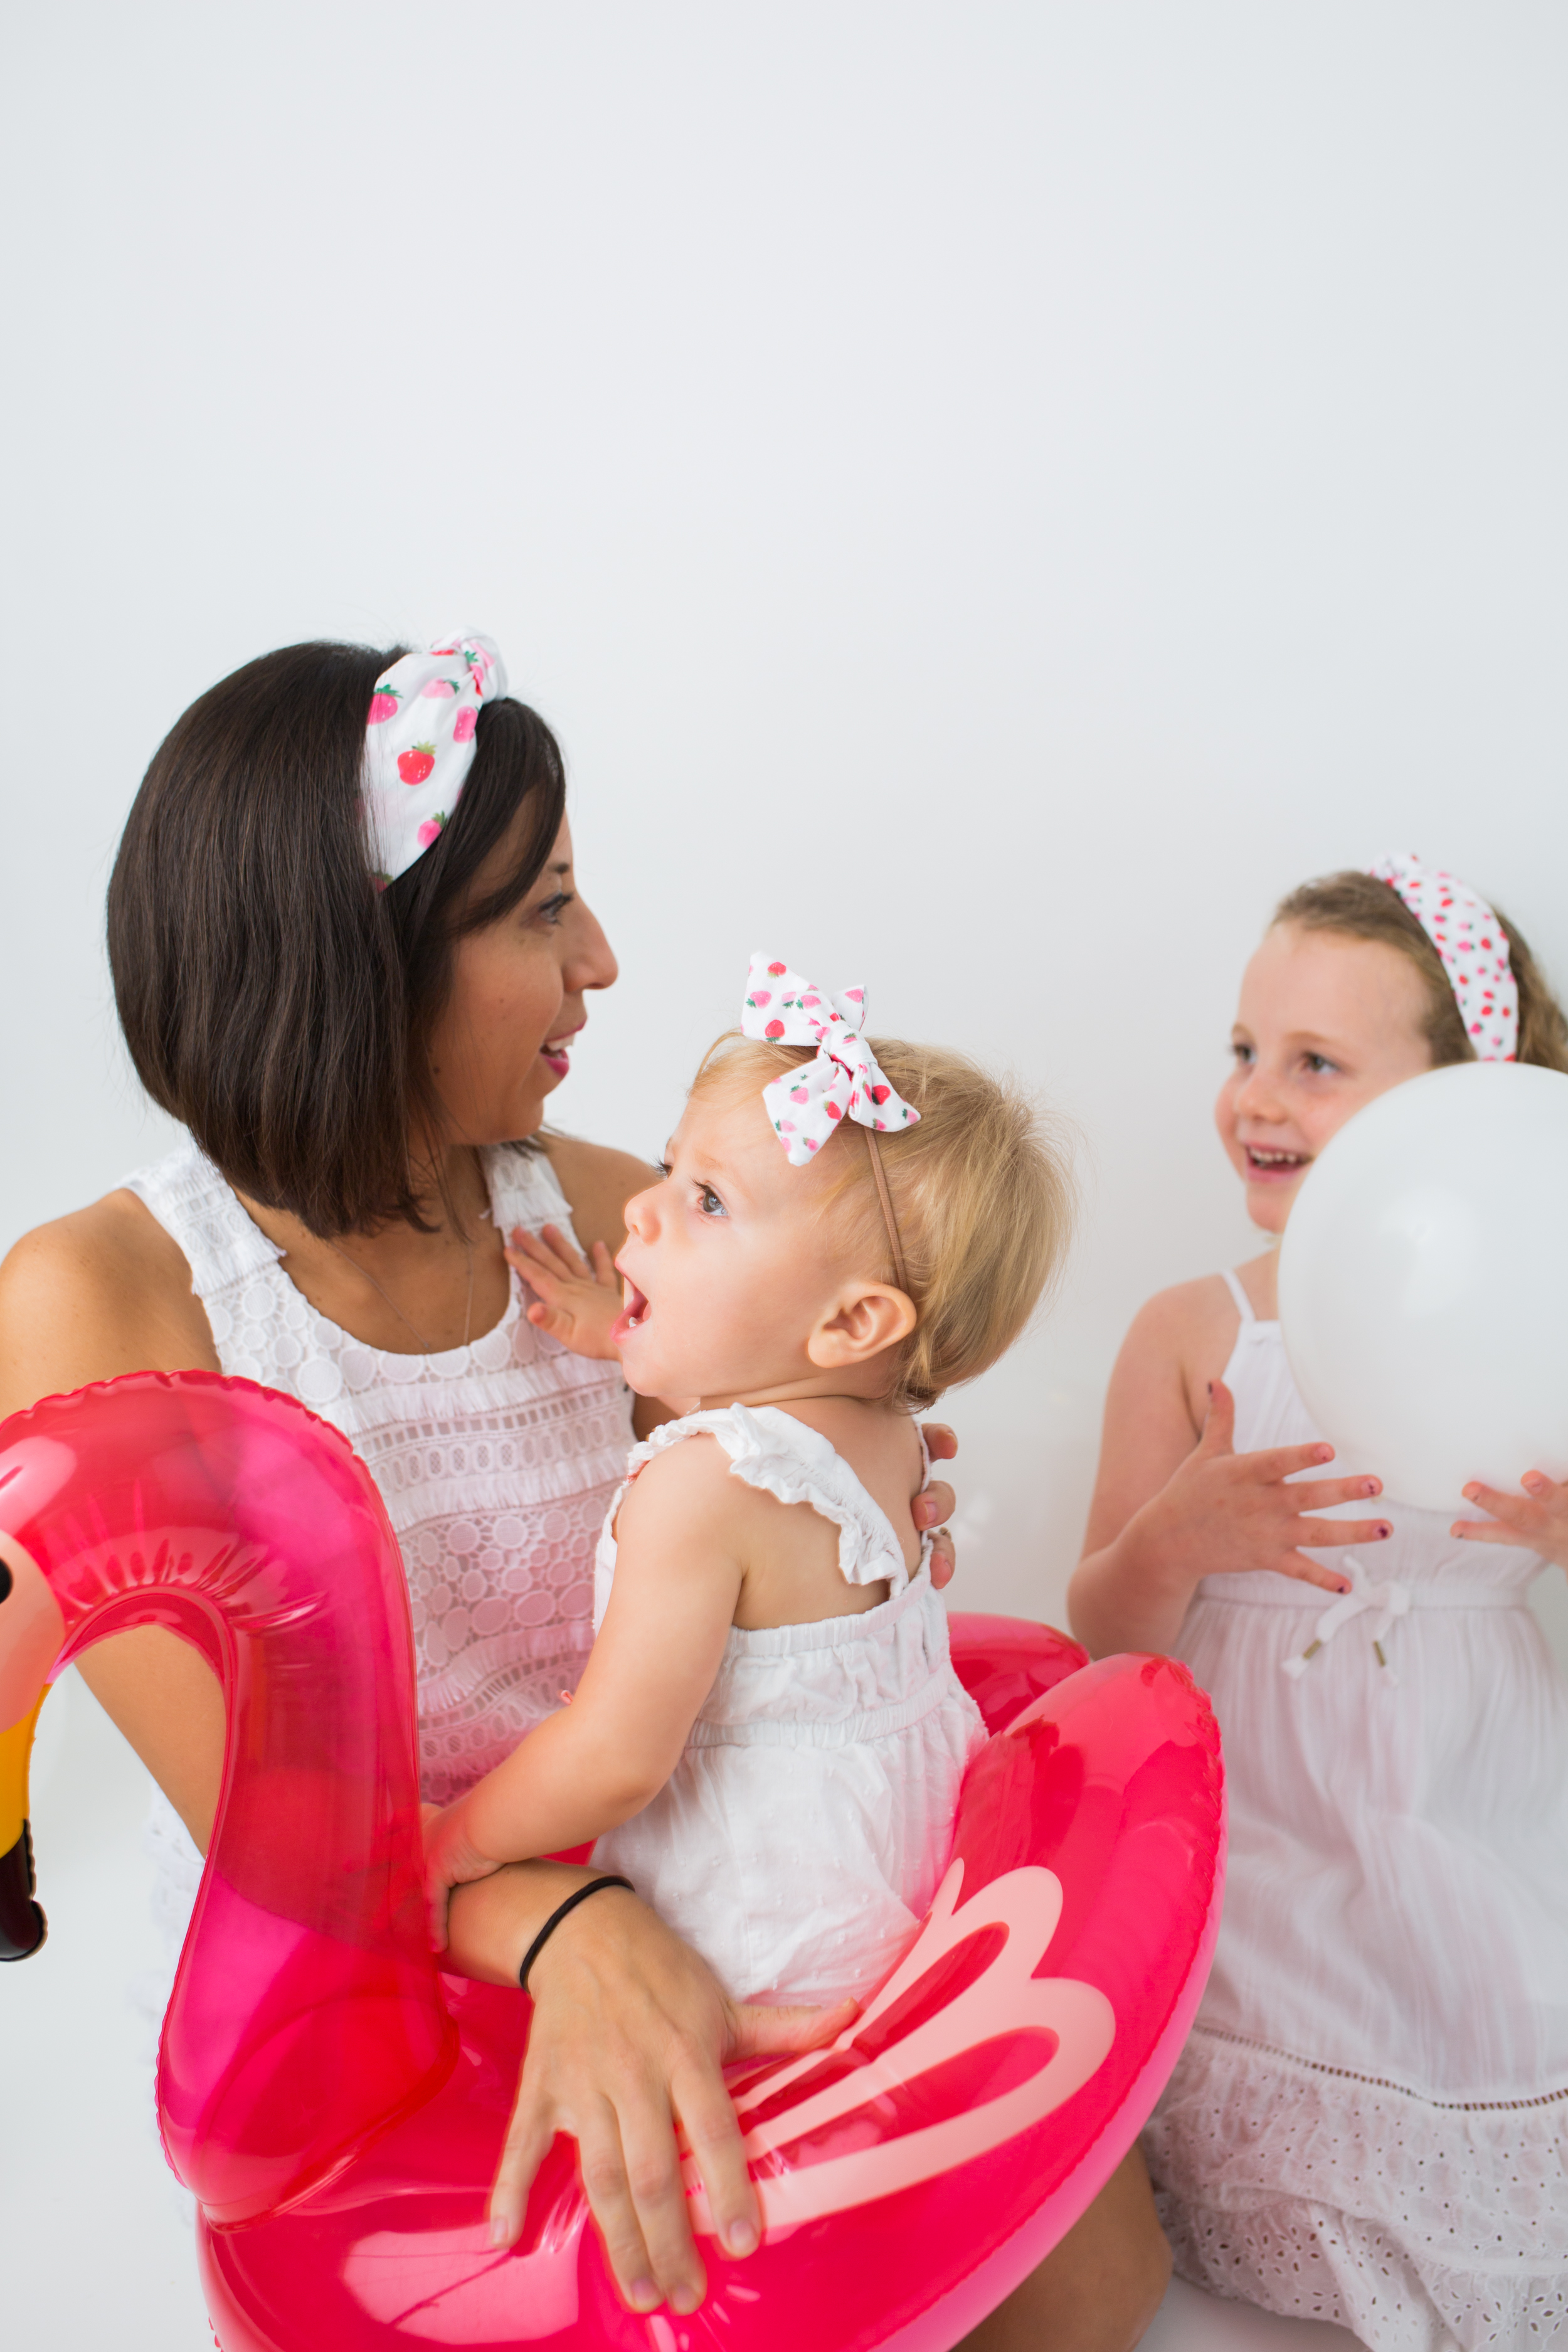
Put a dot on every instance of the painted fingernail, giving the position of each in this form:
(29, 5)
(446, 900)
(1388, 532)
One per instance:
(1384, 1532)
(740, 2238)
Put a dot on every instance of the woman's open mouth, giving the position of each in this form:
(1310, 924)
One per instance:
(1274, 1167)
(556, 1051)
(634, 1313)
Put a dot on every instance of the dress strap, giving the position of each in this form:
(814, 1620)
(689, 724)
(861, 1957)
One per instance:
(198, 1209)
(1243, 1305)
(771, 1449)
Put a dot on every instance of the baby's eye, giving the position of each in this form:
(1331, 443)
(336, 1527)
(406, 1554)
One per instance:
(1317, 1064)
(661, 1166)
(708, 1205)
(1244, 1053)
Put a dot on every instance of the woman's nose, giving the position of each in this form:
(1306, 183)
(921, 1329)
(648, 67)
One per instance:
(591, 963)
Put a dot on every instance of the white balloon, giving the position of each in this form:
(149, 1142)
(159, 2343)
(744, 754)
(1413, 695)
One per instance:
(1424, 1283)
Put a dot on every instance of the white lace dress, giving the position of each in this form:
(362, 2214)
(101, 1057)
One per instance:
(1370, 2122)
(496, 1463)
(806, 1829)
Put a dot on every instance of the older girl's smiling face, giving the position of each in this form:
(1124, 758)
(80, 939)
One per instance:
(1325, 1024)
(503, 1041)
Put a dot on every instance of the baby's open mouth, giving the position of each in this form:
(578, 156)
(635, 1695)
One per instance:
(634, 1313)
(1261, 1162)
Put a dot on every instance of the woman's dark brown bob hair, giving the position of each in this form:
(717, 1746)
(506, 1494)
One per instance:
(273, 999)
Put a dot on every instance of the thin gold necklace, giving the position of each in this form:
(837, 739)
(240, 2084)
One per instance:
(424, 1345)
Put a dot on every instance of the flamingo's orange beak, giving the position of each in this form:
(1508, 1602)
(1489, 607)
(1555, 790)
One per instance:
(31, 1632)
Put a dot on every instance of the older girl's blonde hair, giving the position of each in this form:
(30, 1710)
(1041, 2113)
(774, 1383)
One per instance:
(982, 1190)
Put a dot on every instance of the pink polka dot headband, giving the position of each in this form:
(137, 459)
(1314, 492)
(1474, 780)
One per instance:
(419, 745)
(1472, 945)
(843, 1082)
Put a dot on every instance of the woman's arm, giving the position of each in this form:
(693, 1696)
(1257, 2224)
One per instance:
(1173, 1502)
(629, 2032)
(102, 1292)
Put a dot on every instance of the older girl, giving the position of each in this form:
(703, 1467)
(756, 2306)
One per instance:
(1370, 2122)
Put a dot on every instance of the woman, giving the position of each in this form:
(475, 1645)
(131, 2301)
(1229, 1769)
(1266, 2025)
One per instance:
(349, 957)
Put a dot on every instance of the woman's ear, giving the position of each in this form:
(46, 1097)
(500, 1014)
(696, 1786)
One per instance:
(862, 1323)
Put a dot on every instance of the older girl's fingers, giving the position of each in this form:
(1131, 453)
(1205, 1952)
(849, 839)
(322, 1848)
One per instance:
(1515, 1518)
(1276, 1463)
(1332, 1534)
(941, 1443)
(933, 1504)
(943, 1560)
(1491, 1531)
(1325, 1494)
(1312, 1572)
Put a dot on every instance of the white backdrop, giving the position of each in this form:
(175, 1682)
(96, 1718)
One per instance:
(988, 496)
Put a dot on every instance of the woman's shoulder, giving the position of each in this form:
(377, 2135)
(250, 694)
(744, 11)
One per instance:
(597, 1183)
(101, 1291)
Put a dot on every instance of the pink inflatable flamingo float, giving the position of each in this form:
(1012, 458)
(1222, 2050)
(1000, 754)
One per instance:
(338, 2106)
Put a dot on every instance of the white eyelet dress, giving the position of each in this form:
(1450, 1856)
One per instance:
(1369, 2123)
(807, 1825)
(496, 1463)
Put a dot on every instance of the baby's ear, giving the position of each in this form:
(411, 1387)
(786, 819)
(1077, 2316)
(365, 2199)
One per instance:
(864, 1322)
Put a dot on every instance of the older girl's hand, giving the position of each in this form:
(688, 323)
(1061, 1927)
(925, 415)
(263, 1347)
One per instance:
(1536, 1520)
(1219, 1514)
(630, 2032)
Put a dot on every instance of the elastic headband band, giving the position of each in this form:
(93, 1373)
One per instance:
(844, 1081)
(419, 745)
(1472, 945)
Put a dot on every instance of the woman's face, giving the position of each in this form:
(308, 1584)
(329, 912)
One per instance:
(1325, 1024)
(503, 1042)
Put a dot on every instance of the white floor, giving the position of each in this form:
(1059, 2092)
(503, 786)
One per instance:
(97, 2256)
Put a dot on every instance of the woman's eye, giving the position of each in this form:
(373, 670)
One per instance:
(1317, 1064)
(550, 911)
(661, 1168)
(709, 1204)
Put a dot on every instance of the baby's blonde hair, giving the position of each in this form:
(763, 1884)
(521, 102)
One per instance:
(982, 1195)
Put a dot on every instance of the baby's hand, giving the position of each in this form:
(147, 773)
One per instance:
(451, 1859)
(1536, 1520)
(574, 1302)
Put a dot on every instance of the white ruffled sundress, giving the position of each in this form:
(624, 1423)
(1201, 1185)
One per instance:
(807, 1825)
(1370, 2122)
(496, 1461)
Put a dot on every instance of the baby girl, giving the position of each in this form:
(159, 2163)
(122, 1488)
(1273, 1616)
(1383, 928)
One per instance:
(769, 1737)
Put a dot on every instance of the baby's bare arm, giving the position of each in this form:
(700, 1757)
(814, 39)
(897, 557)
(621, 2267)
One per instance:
(601, 1759)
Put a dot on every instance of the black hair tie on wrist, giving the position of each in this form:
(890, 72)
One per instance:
(559, 1914)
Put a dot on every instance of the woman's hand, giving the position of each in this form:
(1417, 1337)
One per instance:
(574, 1301)
(1220, 1514)
(1536, 1520)
(935, 1503)
(630, 2031)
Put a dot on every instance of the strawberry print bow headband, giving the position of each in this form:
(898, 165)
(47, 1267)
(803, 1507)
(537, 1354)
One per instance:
(1473, 946)
(844, 1081)
(419, 745)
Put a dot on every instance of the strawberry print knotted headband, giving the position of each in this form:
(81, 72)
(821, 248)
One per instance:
(419, 744)
(842, 1082)
(1473, 946)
